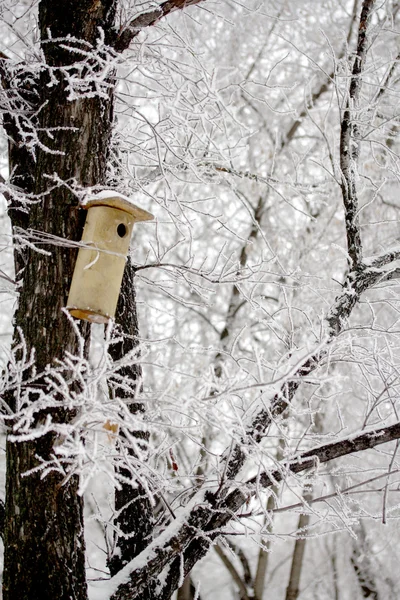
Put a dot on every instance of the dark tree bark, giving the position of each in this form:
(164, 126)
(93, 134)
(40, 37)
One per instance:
(44, 542)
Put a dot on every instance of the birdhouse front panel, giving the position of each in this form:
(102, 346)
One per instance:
(100, 264)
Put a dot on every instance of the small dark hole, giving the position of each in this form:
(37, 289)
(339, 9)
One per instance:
(121, 230)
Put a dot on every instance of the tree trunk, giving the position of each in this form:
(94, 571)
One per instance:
(292, 590)
(44, 542)
(263, 555)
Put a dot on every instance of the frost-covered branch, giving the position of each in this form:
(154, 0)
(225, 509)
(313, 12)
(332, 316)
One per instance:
(349, 138)
(384, 259)
(147, 19)
(324, 86)
(201, 523)
(356, 284)
(5, 77)
(261, 206)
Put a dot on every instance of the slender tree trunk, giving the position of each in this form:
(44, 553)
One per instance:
(44, 542)
(335, 570)
(263, 558)
(292, 590)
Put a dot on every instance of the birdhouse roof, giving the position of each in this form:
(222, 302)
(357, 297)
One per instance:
(113, 199)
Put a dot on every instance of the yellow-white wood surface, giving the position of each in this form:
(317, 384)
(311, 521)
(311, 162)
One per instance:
(100, 264)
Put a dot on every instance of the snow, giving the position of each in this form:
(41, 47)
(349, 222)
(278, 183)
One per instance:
(106, 194)
(114, 199)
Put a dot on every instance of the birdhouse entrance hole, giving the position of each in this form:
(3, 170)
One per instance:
(122, 230)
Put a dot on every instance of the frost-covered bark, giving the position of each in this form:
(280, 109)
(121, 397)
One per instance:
(350, 134)
(180, 538)
(44, 542)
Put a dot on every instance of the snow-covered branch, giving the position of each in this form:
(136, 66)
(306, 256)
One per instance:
(147, 19)
(201, 522)
(349, 139)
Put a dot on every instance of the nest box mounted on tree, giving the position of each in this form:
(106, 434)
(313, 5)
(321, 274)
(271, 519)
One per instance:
(99, 268)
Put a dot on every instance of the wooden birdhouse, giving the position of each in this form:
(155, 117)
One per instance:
(99, 268)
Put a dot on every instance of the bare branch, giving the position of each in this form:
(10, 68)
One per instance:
(384, 259)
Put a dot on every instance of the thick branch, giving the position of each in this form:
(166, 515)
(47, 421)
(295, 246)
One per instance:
(349, 140)
(384, 259)
(148, 19)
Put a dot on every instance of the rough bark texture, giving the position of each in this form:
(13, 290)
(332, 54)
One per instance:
(148, 19)
(350, 140)
(44, 543)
